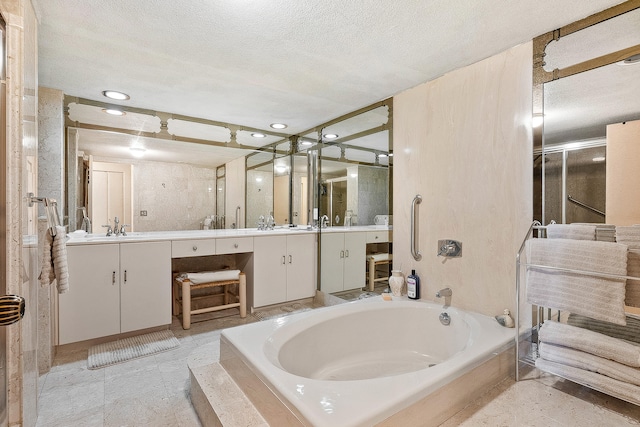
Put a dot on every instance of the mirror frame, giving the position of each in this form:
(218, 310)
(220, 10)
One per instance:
(542, 76)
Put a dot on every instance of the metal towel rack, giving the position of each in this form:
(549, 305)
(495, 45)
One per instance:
(415, 251)
(50, 208)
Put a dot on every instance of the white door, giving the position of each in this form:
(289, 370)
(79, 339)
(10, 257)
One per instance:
(355, 258)
(270, 270)
(110, 194)
(91, 306)
(301, 259)
(145, 285)
(332, 256)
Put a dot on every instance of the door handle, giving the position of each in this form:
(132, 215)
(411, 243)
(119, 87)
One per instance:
(125, 276)
(346, 253)
(341, 254)
(113, 278)
(283, 260)
(290, 259)
(11, 309)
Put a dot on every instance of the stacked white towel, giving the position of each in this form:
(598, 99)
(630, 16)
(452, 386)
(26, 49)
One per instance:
(590, 295)
(54, 260)
(630, 332)
(571, 231)
(630, 236)
(608, 364)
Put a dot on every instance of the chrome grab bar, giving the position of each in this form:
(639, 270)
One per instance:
(415, 252)
(584, 205)
(238, 217)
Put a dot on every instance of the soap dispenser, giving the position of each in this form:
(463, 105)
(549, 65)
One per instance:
(413, 285)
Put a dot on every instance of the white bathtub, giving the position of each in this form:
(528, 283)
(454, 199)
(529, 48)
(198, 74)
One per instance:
(358, 364)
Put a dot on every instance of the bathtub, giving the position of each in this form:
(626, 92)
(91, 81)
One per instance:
(369, 362)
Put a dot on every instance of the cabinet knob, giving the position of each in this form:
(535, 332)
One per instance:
(195, 248)
(235, 245)
(376, 237)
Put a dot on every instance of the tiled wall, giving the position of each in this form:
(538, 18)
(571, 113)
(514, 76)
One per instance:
(463, 141)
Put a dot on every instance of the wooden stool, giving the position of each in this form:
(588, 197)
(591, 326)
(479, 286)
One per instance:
(184, 304)
(375, 260)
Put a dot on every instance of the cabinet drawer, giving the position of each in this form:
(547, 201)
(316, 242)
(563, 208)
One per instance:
(188, 248)
(381, 236)
(234, 245)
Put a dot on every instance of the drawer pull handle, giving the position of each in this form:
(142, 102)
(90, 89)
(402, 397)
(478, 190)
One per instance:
(346, 253)
(283, 260)
(113, 278)
(290, 259)
(125, 276)
(195, 248)
(235, 245)
(341, 254)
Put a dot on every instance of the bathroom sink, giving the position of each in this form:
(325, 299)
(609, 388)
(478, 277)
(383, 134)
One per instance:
(113, 237)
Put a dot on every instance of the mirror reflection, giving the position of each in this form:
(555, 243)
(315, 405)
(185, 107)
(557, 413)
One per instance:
(584, 117)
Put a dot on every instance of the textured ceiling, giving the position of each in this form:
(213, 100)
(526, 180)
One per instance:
(257, 62)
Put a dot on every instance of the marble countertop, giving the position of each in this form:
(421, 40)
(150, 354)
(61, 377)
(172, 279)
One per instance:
(80, 238)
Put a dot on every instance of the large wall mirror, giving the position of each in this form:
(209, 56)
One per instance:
(587, 109)
(158, 171)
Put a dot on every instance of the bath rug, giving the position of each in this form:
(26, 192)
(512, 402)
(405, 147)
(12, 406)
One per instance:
(111, 353)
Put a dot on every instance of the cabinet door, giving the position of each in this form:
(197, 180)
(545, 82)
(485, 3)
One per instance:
(355, 248)
(91, 306)
(269, 270)
(145, 290)
(301, 260)
(332, 256)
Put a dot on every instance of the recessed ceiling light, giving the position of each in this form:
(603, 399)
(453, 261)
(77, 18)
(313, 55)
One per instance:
(390, 154)
(137, 151)
(330, 135)
(258, 179)
(278, 125)
(599, 159)
(258, 135)
(114, 94)
(114, 112)
(307, 143)
(382, 155)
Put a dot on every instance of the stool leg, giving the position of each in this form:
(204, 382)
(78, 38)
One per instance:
(242, 293)
(226, 294)
(186, 304)
(372, 274)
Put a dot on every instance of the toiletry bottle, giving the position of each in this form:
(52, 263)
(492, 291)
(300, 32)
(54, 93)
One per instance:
(413, 285)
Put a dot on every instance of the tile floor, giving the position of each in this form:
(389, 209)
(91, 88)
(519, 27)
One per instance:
(154, 391)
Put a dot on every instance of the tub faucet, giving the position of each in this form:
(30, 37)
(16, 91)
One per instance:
(446, 293)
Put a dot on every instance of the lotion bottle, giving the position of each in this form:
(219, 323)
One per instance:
(413, 285)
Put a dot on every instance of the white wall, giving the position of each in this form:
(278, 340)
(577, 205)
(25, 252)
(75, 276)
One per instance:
(464, 142)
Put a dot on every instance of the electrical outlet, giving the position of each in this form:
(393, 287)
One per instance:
(143, 213)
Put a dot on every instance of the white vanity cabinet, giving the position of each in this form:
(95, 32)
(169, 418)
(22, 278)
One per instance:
(345, 255)
(284, 268)
(115, 288)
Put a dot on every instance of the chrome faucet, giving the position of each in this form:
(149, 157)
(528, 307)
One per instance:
(116, 230)
(324, 221)
(123, 232)
(446, 293)
(261, 224)
(109, 229)
(271, 222)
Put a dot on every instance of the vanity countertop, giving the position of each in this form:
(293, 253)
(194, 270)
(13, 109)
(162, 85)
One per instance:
(78, 238)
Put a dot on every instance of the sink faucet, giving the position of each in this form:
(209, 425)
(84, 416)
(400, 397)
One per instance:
(116, 230)
(109, 229)
(271, 222)
(261, 224)
(324, 221)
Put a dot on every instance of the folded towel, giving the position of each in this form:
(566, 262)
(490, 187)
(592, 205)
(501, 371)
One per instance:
(211, 276)
(571, 231)
(596, 297)
(630, 236)
(623, 390)
(59, 258)
(590, 342)
(582, 360)
(47, 275)
(630, 332)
